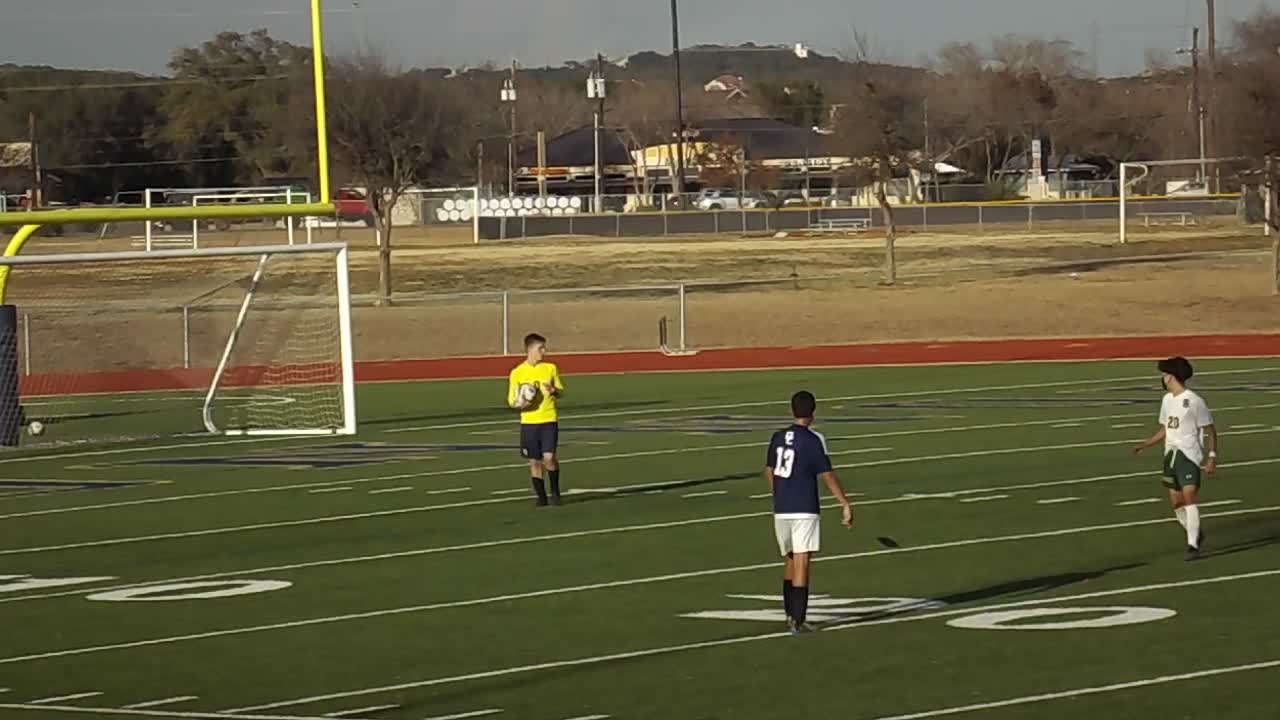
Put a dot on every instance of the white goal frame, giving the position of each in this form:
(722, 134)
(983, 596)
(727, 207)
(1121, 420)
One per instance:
(264, 254)
(291, 198)
(1135, 171)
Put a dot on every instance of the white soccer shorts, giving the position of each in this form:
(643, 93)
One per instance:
(797, 533)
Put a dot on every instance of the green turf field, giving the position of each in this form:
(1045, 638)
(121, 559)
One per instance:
(406, 575)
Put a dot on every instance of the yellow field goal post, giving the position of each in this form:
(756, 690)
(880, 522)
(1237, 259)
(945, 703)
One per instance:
(28, 223)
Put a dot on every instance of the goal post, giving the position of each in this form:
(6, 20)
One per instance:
(111, 347)
(1198, 182)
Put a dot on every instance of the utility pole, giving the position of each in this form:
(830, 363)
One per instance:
(928, 153)
(1213, 92)
(1196, 101)
(509, 99)
(678, 181)
(596, 89)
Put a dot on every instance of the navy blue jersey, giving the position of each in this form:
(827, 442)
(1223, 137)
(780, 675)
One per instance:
(797, 456)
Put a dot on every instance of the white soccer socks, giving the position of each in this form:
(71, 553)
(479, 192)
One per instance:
(1181, 514)
(1193, 525)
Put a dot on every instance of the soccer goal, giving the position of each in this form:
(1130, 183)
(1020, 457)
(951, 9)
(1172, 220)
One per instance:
(107, 347)
(1184, 193)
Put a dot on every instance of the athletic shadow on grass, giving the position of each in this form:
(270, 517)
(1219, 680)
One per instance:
(1240, 547)
(487, 414)
(632, 490)
(1011, 589)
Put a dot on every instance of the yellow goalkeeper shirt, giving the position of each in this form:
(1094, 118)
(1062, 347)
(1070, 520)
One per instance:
(544, 408)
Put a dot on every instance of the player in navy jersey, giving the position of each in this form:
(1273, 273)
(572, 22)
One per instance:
(797, 460)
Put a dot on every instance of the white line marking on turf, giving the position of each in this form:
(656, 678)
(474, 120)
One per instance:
(906, 497)
(601, 586)
(1079, 692)
(590, 717)
(461, 716)
(882, 396)
(329, 490)
(63, 698)
(1056, 501)
(985, 498)
(1143, 501)
(708, 493)
(1220, 503)
(430, 508)
(615, 456)
(354, 712)
(1063, 426)
(514, 491)
(161, 703)
(1127, 426)
(188, 715)
(1007, 451)
(1250, 426)
(519, 669)
(384, 491)
(448, 491)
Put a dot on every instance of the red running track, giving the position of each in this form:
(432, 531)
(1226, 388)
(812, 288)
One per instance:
(912, 353)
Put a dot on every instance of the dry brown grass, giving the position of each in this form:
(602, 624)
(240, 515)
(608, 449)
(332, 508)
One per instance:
(1069, 281)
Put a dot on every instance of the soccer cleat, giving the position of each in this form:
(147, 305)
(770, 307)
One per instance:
(793, 627)
(555, 500)
(540, 502)
(1193, 553)
(1200, 540)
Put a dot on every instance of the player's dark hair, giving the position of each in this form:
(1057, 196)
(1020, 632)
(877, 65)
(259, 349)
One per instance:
(1179, 367)
(533, 339)
(803, 405)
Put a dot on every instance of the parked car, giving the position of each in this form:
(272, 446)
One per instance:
(726, 200)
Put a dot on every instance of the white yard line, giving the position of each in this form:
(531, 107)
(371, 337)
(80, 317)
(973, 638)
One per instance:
(448, 491)
(576, 461)
(462, 716)
(333, 619)
(151, 713)
(1128, 426)
(984, 498)
(386, 491)
(905, 497)
(1057, 501)
(578, 662)
(708, 493)
(881, 396)
(1080, 692)
(64, 698)
(162, 702)
(329, 490)
(1143, 501)
(356, 712)
(1220, 503)
(433, 508)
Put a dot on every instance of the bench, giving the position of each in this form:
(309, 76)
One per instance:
(1168, 218)
(826, 225)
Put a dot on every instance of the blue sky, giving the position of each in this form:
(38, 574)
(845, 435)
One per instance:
(140, 34)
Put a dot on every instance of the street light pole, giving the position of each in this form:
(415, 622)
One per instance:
(596, 90)
(509, 99)
(678, 181)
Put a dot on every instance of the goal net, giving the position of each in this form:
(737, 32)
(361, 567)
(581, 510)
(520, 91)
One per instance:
(111, 347)
(1188, 193)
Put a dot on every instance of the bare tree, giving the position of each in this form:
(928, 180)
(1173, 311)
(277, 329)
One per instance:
(883, 138)
(391, 131)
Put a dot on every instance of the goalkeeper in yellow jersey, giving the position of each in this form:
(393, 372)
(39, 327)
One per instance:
(533, 389)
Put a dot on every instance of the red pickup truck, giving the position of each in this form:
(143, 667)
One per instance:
(352, 204)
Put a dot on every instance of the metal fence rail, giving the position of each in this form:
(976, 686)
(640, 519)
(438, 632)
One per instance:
(665, 223)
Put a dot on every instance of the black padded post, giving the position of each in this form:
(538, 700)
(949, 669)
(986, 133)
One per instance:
(10, 404)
